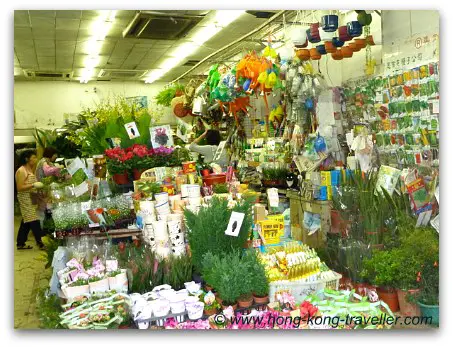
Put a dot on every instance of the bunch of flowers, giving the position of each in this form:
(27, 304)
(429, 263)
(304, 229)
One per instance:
(118, 160)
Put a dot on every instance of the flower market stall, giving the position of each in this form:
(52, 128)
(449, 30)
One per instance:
(310, 205)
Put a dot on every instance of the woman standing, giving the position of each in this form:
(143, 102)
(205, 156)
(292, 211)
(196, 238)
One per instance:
(46, 168)
(26, 188)
(211, 150)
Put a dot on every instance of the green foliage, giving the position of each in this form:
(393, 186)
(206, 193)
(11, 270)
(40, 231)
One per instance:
(147, 271)
(165, 96)
(382, 269)
(48, 310)
(179, 271)
(52, 245)
(178, 156)
(220, 188)
(206, 229)
(429, 293)
(276, 173)
(117, 167)
(149, 188)
(259, 284)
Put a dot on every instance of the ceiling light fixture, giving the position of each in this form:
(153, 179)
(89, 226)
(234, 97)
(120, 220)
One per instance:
(100, 28)
(221, 19)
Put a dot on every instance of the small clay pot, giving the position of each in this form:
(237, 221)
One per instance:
(235, 306)
(330, 48)
(261, 300)
(303, 54)
(210, 312)
(353, 46)
(245, 302)
(347, 52)
(360, 43)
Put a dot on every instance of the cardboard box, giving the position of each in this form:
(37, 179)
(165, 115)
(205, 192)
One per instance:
(259, 213)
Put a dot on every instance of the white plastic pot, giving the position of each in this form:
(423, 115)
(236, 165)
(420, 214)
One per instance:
(119, 282)
(161, 307)
(193, 191)
(162, 252)
(195, 310)
(147, 207)
(163, 209)
(326, 36)
(177, 303)
(174, 227)
(72, 292)
(99, 286)
(177, 240)
(178, 251)
(184, 190)
(286, 52)
(160, 231)
(161, 198)
(298, 35)
(195, 201)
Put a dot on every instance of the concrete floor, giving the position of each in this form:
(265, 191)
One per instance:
(29, 276)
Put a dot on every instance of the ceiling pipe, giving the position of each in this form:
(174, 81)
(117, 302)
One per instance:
(270, 20)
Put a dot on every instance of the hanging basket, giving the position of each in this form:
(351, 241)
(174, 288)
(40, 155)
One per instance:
(177, 105)
(303, 54)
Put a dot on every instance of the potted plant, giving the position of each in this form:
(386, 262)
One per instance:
(382, 269)
(211, 306)
(274, 177)
(117, 164)
(139, 162)
(428, 297)
(205, 170)
(259, 282)
(118, 280)
(77, 288)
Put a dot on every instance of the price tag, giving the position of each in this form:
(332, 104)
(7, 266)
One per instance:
(81, 189)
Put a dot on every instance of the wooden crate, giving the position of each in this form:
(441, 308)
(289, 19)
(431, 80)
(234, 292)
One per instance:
(298, 206)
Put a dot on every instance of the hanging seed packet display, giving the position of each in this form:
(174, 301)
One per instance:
(418, 194)
(387, 179)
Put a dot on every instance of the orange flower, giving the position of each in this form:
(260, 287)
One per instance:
(435, 264)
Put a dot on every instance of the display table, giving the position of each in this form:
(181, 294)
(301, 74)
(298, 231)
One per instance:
(113, 234)
(300, 205)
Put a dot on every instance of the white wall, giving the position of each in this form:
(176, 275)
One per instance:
(43, 103)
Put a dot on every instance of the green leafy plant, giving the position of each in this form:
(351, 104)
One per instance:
(382, 268)
(165, 96)
(149, 188)
(257, 273)
(48, 310)
(206, 229)
(116, 167)
(275, 174)
(220, 188)
(180, 270)
(52, 245)
(429, 279)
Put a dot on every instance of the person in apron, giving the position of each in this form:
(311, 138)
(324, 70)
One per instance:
(27, 186)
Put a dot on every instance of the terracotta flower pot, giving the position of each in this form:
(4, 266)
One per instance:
(208, 288)
(347, 52)
(121, 178)
(314, 55)
(353, 46)
(330, 48)
(219, 299)
(303, 54)
(337, 55)
(360, 43)
(389, 296)
(137, 173)
(261, 300)
(210, 312)
(245, 302)
(407, 308)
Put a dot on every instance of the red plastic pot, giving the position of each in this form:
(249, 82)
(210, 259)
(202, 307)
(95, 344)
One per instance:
(137, 173)
(121, 178)
(343, 34)
(214, 179)
(205, 172)
(335, 221)
(389, 296)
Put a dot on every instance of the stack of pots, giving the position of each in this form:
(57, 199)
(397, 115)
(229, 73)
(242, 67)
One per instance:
(313, 33)
(175, 225)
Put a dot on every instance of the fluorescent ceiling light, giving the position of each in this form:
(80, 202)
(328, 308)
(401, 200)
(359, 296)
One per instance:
(99, 30)
(221, 19)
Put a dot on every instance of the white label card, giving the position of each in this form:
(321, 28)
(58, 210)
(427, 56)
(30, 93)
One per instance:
(81, 189)
(234, 226)
(132, 130)
(436, 106)
(272, 195)
(435, 223)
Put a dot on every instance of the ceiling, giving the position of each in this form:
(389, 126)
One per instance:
(57, 42)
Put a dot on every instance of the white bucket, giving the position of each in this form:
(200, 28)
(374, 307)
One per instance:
(195, 310)
(177, 240)
(184, 190)
(193, 191)
(160, 307)
(172, 200)
(161, 198)
(177, 303)
(160, 231)
(178, 251)
(147, 207)
(195, 201)
(174, 227)
(162, 252)
(163, 208)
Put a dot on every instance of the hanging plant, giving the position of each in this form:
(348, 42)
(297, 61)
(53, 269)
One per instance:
(165, 96)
